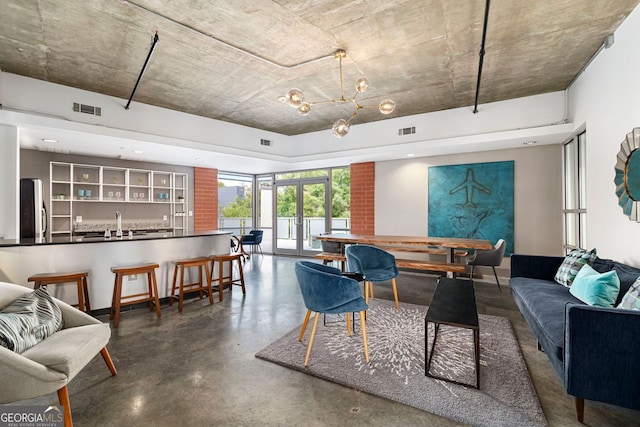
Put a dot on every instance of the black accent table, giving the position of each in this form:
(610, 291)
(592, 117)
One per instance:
(453, 304)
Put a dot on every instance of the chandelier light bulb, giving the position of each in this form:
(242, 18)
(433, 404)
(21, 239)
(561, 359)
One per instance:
(340, 128)
(294, 97)
(304, 108)
(362, 84)
(387, 106)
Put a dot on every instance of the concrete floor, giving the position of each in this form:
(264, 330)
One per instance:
(197, 368)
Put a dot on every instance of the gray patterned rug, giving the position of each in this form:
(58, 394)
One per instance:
(396, 369)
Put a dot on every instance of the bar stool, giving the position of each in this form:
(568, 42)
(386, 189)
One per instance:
(227, 280)
(118, 300)
(202, 264)
(80, 277)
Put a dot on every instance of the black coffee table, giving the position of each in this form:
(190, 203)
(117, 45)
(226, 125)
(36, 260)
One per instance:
(453, 304)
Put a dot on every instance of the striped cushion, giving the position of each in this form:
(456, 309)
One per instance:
(28, 320)
(631, 300)
(572, 263)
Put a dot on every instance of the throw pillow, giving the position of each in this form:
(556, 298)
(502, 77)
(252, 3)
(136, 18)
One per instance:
(572, 263)
(28, 320)
(631, 300)
(593, 288)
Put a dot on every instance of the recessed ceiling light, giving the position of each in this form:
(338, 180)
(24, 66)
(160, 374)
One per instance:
(49, 140)
(138, 151)
(529, 142)
(410, 155)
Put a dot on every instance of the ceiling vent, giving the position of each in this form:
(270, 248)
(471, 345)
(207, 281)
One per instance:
(407, 131)
(87, 109)
(265, 142)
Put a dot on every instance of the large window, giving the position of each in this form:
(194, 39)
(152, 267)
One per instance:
(575, 204)
(235, 202)
(246, 201)
(340, 200)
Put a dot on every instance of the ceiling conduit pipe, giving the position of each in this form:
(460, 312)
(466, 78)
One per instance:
(144, 68)
(484, 38)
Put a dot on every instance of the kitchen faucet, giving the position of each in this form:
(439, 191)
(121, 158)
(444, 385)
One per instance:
(118, 225)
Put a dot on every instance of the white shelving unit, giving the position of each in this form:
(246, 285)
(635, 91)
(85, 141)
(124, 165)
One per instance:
(73, 183)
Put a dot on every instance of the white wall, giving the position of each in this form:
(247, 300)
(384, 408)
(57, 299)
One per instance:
(9, 181)
(402, 193)
(606, 97)
(26, 94)
(532, 112)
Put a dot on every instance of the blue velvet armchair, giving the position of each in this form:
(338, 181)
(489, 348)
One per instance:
(376, 265)
(325, 290)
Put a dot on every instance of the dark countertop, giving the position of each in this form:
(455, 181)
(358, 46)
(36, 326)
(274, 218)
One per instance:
(62, 240)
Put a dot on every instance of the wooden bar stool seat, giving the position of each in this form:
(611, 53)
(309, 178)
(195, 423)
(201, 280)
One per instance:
(118, 300)
(227, 280)
(79, 277)
(202, 285)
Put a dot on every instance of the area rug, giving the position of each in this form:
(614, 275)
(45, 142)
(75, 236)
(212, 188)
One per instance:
(397, 360)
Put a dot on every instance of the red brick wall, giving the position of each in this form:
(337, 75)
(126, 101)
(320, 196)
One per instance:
(363, 180)
(205, 189)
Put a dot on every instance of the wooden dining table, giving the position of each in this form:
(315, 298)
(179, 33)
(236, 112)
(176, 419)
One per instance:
(449, 244)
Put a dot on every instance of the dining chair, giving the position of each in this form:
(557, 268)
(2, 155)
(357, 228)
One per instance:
(489, 258)
(376, 265)
(325, 290)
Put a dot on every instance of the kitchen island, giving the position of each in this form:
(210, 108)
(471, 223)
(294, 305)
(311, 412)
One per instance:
(21, 259)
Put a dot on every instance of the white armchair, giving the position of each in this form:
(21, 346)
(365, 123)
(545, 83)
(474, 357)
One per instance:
(51, 364)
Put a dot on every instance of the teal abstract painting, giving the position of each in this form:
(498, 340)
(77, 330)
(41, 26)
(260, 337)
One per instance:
(472, 201)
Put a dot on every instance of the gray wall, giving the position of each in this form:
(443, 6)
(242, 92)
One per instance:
(35, 164)
(402, 194)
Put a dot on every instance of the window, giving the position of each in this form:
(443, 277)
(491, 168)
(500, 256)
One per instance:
(340, 200)
(235, 202)
(575, 205)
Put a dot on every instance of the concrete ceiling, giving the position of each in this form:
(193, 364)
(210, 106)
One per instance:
(422, 54)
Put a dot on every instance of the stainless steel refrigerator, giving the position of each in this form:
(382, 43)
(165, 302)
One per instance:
(33, 212)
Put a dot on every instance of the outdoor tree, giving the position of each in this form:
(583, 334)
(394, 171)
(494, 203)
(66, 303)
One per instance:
(239, 208)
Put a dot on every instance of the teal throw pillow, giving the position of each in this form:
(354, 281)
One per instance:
(593, 288)
(631, 300)
(572, 263)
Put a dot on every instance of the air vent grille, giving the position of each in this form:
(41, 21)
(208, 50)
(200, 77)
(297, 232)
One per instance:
(87, 109)
(407, 131)
(265, 142)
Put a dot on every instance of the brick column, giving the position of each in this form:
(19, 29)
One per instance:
(205, 195)
(363, 184)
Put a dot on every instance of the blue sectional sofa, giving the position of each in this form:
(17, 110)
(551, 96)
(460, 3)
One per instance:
(594, 350)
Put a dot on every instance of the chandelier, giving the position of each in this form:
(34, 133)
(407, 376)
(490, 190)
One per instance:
(295, 98)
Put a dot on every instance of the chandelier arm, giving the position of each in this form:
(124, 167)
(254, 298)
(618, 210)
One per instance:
(355, 113)
(331, 101)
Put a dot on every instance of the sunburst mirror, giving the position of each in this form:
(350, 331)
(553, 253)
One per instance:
(628, 175)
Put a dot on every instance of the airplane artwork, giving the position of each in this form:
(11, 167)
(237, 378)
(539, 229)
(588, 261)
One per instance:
(469, 185)
(472, 200)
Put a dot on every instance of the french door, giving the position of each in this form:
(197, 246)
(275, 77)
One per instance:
(302, 212)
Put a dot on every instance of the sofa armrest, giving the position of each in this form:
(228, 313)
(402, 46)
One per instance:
(535, 266)
(602, 353)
